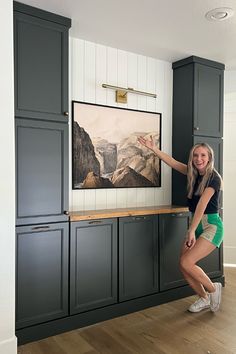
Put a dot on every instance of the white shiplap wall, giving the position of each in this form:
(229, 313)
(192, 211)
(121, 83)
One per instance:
(229, 167)
(91, 65)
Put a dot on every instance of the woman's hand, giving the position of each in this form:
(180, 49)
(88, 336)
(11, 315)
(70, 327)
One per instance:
(147, 143)
(190, 239)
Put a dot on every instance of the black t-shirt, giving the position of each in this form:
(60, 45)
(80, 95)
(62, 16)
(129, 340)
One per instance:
(213, 204)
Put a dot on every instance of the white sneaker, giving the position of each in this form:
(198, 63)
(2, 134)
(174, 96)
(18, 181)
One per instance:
(200, 304)
(216, 297)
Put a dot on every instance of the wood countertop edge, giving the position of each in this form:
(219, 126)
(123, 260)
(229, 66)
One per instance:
(115, 213)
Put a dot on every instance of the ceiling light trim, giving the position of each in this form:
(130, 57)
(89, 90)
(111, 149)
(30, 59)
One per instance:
(219, 14)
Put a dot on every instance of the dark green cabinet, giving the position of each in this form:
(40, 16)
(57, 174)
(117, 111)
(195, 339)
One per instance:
(42, 171)
(41, 273)
(172, 232)
(197, 114)
(138, 256)
(41, 64)
(93, 264)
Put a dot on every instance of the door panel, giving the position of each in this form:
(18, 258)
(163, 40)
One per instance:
(42, 171)
(41, 273)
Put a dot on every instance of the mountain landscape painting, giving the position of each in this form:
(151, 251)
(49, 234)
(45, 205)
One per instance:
(105, 148)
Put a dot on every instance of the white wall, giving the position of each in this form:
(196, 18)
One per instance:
(229, 167)
(7, 184)
(91, 65)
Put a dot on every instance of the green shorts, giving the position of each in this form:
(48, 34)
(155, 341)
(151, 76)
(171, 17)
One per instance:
(211, 228)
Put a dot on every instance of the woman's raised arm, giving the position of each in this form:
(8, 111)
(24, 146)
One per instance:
(169, 160)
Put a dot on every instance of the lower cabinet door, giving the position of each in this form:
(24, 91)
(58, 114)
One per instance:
(138, 256)
(41, 273)
(93, 264)
(213, 263)
(172, 231)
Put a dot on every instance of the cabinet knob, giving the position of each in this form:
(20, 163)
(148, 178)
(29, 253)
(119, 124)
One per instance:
(66, 114)
(196, 128)
(66, 212)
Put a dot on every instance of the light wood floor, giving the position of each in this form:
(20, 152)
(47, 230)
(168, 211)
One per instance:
(164, 329)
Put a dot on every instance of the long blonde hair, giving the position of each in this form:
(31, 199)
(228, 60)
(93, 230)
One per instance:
(193, 172)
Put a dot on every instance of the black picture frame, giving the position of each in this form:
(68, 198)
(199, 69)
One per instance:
(105, 150)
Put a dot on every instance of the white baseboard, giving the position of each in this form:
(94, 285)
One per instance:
(9, 346)
(229, 265)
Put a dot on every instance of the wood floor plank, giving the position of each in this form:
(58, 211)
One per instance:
(164, 329)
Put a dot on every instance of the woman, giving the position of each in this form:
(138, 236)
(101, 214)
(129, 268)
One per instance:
(206, 229)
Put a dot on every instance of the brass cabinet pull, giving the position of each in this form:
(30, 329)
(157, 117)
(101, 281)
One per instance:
(95, 222)
(66, 113)
(66, 212)
(196, 128)
(140, 217)
(40, 228)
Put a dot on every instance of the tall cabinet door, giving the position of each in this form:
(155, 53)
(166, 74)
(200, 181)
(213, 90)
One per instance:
(138, 256)
(208, 101)
(42, 171)
(93, 264)
(41, 64)
(41, 273)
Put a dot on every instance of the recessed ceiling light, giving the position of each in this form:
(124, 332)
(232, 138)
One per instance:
(219, 14)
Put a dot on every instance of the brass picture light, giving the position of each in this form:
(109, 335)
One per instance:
(121, 92)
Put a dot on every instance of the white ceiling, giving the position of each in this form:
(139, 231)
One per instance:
(164, 29)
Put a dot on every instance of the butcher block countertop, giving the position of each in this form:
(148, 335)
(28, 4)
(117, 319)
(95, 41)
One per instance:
(115, 213)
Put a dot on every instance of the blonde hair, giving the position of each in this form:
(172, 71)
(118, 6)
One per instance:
(193, 172)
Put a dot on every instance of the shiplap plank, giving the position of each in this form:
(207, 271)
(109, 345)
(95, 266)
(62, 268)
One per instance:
(101, 74)
(90, 199)
(121, 198)
(111, 198)
(132, 79)
(160, 81)
(140, 197)
(149, 196)
(111, 75)
(77, 71)
(101, 199)
(159, 196)
(122, 72)
(151, 84)
(142, 82)
(89, 72)
(131, 197)
(78, 197)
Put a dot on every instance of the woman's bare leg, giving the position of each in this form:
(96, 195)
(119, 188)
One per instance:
(194, 284)
(193, 274)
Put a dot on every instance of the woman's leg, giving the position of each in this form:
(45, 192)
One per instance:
(193, 274)
(194, 284)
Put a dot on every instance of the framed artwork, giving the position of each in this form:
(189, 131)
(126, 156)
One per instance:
(105, 148)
